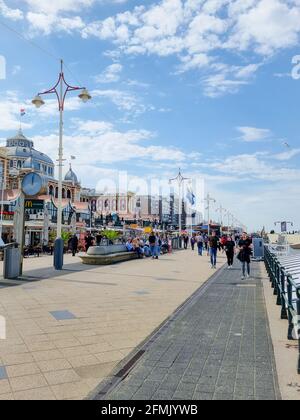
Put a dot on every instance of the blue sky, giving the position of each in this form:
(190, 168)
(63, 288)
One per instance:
(205, 85)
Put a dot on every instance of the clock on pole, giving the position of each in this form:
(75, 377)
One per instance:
(34, 184)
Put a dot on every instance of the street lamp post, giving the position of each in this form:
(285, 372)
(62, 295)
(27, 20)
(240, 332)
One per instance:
(229, 215)
(221, 210)
(60, 90)
(208, 200)
(180, 181)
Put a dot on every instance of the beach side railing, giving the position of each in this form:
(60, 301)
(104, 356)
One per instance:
(284, 273)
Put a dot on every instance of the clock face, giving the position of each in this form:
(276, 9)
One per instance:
(32, 184)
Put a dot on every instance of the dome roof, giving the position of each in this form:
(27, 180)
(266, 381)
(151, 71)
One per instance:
(19, 140)
(20, 147)
(71, 176)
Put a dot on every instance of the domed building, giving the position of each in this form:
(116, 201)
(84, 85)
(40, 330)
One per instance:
(71, 177)
(22, 154)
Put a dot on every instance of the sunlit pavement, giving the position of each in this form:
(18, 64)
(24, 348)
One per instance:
(67, 331)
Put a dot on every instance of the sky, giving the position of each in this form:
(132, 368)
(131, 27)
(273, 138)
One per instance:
(210, 86)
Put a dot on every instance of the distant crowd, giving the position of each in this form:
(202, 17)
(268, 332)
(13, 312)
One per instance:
(154, 245)
(239, 246)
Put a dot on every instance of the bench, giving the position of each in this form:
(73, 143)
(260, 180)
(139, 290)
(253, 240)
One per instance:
(107, 255)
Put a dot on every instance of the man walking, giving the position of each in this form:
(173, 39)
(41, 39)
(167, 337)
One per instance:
(200, 243)
(74, 245)
(153, 245)
(213, 247)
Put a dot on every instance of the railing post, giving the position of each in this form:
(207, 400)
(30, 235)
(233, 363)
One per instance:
(290, 306)
(278, 281)
(283, 296)
(298, 326)
(275, 277)
(273, 272)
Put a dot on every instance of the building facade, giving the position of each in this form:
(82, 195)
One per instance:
(83, 208)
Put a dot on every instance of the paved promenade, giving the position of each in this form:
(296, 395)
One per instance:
(66, 332)
(217, 347)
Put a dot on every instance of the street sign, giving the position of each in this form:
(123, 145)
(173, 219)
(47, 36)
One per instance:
(34, 204)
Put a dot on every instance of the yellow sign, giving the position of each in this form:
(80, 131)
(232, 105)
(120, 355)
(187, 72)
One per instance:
(134, 226)
(148, 230)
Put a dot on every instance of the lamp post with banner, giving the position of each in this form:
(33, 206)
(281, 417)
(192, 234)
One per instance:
(180, 182)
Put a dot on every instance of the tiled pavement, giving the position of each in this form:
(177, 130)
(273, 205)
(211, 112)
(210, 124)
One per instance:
(67, 331)
(218, 347)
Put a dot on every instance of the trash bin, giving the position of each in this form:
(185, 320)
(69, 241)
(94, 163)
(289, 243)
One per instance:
(11, 263)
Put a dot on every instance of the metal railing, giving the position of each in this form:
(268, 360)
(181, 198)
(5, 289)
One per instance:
(284, 276)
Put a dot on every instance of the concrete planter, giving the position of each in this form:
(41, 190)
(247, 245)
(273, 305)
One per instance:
(106, 250)
(107, 255)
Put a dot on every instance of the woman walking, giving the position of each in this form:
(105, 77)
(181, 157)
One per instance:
(229, 248)
(245, 247)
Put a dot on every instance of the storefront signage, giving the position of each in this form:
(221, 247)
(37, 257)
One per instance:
(34, 204)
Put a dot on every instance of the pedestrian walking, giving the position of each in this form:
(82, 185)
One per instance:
(206, 240)
(74, 245)
(229, 249)
(158, 245)
(88, 242)
(213, 249)
(153, 245)
(200, 243)
(186, 241)
(245, 247)
(193, 242)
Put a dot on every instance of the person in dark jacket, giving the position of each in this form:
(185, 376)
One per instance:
(74, 245)
(213, 248)
(229, 247)
(153, 245)
(88, 242)
(245, 247)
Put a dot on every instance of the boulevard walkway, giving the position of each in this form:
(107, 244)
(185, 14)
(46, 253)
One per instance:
(218, 346)
(67, 331)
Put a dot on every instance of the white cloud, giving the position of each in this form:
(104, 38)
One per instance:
(53, 7)
(287, 155)
(16, 70)
(252, 134)
(7, 12)
(10, 112)
(218, 85)
(111, 74)
(125, 101)
(93, 127)
(109, 146)
(253, 167)
(197, 30)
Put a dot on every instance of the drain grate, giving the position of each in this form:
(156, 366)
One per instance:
(126, 369)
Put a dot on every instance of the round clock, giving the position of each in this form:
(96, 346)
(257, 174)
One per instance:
(33, 184)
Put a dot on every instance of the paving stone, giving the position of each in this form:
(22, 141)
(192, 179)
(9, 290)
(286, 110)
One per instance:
(207, 353)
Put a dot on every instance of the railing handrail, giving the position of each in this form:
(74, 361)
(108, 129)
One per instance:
(284, 287)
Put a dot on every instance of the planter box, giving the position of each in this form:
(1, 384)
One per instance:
(107, 255)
